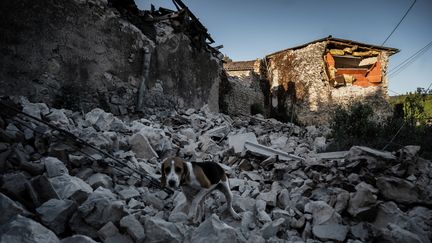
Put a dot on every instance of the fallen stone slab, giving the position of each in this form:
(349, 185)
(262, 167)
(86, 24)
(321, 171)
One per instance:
(101, 207)
(141, 147)
(9, 209)
(99, 119)
(362, 150)
(360, 231)
(243, 204)
(394, 233)
(387, 213)
(58, 118)
(35, 109)
(219, 132)
(322, 213)
(107, 231)
(269, 197)
(159, 230)
(100, 179)
(363, 203)
(70, 187)
(214, 230)
(271, 229)
(157, 138)
(330, 231)
(22, 229)
(128, 193)
(399, 190)
(150, 198)
(54, 167)
(41, 190)
(331, 155)
(78, 239)
(133, 227)
(267, 151)
(55, 214)
(238, 141)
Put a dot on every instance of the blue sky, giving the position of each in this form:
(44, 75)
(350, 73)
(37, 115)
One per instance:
(251, 29)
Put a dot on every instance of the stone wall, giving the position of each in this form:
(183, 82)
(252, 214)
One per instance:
(243, 93)
(240, 73)
(83, 54)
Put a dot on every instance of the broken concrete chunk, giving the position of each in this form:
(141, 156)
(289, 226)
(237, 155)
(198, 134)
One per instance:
(322, 213)
(141, 147)
(58, 118)
(360, 231)
(363, 203)
(399, 190)
(101, 207)
(394, 233)
(362, 150)
(9, 209)
(55, 213)
(41, 190)
(35, 109)
(267, 151)
(159, 230)
(238, 141)
(54, 167)
(272, 228)
(243, 204)
(157, 138)
(214, 230)
(100, 179)
(107, 231)
(70, 187)
(22, 229)
(128, 193)
(100, 119)
(133, 227)
(388, 212)
(269, 197)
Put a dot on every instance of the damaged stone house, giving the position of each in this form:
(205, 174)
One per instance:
(307, 82)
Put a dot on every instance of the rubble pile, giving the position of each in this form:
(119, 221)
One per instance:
(54, 189)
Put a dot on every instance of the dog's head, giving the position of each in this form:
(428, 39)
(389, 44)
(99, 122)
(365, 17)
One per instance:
(174, 172)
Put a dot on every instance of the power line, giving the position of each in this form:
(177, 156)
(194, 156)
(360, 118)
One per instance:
(393, 91)
(406, 13)
(404, 64)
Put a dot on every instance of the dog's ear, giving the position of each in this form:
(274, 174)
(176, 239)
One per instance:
(185, 175)
(163, 177)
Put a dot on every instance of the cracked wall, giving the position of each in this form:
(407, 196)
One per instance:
(86, 54)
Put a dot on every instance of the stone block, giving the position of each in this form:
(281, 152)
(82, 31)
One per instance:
(55, 214)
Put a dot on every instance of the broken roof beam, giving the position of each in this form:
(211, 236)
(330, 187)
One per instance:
(180, 5)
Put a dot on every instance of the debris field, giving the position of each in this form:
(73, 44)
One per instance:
(72, 177)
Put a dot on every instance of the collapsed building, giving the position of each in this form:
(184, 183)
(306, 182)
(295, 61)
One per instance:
(107, 53)
(306, 83)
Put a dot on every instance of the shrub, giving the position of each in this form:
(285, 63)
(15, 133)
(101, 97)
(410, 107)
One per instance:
(353, 126)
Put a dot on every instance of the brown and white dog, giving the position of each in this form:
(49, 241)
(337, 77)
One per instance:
(197, 180)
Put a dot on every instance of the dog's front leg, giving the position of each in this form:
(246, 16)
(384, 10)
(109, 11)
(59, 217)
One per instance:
(193, 210)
